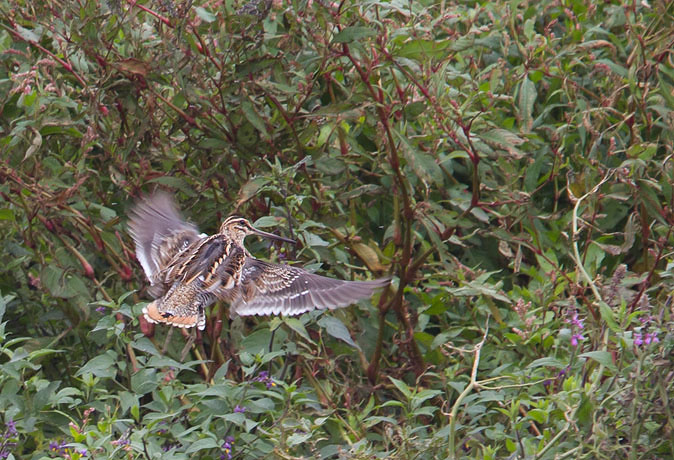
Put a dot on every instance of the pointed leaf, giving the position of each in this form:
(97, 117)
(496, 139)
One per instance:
(350, 34)
(337, 329)
(602, 357)
(527, 98)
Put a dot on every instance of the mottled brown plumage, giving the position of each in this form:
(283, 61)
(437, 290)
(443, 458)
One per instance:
(188, 271)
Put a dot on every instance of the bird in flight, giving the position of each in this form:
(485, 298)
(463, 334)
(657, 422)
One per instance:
(189, 270)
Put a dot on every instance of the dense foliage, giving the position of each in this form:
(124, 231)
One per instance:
(509, 164)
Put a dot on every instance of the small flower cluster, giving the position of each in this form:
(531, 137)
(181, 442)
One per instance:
(168, 445)
(645, 339)
(227, 448)
(561, 375)
(265, 378)
(8, 439)
(122, 442)
(162, 431)
(643, 336)
(522, 310)
(577, 326)
(61, 448)
(58, 447)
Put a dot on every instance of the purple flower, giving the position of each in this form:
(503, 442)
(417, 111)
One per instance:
(227, 448)
(169, 445)
(11, 428)
(59, 446)
(120, 442)
(100, 309)
(263, 377)
(4, 453)
(575, 338)
(82, 452)
(651, 337)
(576, 321)
(638, 339)
(239, 409)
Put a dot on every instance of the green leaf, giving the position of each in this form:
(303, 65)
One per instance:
(367, 189)
(256, 342)
(145, 345)
(538, 415)
(297, 326)
(402, 387)
(4, 300)
(44, 395)
(27, 34)
(127, 400)
(353, 33)
(311, 239)
(205, 15)
(298, 438)
(424, 165)
(252, 116)
(144, 381)
(421, 49)
(61, 283)
(419, 398)
(174, 182)
(267, 221)
(43, 352)
(585, 411)
(413, 110)
(101, 366)
(602, 357)
(201, 444)
(607, 315)
(527, 99)
(337, 329)
(161, 362)
(548, 362)
(64, 396)
(6, 214)
(504, 140)
(330, 165)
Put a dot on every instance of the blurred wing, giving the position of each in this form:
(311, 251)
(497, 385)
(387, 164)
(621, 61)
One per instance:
(160, 233)
(270, 289)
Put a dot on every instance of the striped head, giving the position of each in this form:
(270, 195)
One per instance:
(238, 228)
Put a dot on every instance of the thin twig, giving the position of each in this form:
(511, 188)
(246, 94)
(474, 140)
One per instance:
(451, 448)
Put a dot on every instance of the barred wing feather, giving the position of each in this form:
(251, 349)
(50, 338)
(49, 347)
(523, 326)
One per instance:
(270, 289)
(160, 234)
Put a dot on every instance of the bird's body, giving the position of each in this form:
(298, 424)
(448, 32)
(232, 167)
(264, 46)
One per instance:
(188, 271)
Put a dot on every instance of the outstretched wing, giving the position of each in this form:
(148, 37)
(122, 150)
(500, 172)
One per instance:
(270, 289)
(160, 234)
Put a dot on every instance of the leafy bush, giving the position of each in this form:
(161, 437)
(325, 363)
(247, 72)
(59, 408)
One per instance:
(509, 164)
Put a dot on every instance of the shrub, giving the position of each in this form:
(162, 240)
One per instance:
(509, 164)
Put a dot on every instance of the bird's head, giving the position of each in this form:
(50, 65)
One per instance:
(238, 228)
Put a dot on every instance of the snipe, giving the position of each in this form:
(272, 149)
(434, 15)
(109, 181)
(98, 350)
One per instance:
(188, 271)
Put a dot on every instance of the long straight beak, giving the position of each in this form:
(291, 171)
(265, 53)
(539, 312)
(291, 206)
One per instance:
(271, 236)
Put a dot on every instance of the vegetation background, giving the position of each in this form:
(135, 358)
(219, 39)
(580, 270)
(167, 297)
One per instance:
(509, 163)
